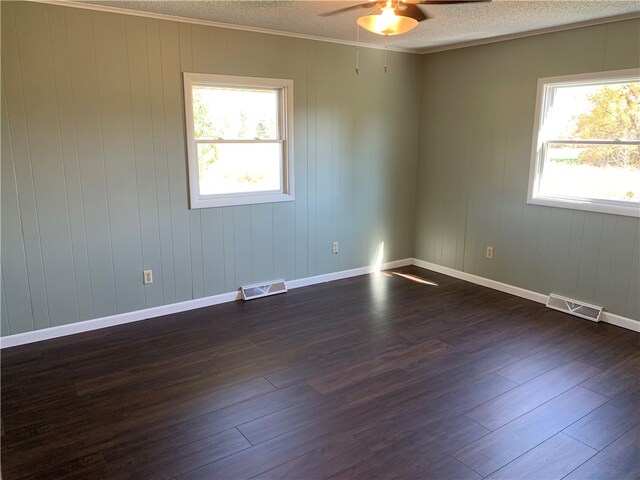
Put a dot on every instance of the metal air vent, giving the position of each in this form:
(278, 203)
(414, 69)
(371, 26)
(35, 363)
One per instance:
(249, 292)
(575, 307)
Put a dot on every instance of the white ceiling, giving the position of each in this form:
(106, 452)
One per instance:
(448, 24)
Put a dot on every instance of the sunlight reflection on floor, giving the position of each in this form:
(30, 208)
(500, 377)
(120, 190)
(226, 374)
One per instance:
(415, 278)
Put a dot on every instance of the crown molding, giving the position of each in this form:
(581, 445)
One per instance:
(423, 51)
(530, 33)
(209, 23)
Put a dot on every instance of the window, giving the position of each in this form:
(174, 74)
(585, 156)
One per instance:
(239, 139)
(586, 143)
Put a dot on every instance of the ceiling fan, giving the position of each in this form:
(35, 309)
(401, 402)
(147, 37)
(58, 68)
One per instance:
(389, 17)
(392, 17)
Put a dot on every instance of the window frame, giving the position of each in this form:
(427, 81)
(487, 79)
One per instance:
(538, 148)
(284, 88)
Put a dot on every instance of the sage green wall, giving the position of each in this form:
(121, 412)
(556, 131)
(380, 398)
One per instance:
(475, 148)
(94, 188)
(94, 184)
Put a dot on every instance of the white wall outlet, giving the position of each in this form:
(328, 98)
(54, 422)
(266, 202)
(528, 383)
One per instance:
(147, 277)
(490, 252)
(335, 247)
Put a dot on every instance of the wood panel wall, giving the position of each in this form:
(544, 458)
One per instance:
(475, 150)
(94, 180)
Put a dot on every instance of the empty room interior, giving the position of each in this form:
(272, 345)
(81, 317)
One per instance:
(320, 239)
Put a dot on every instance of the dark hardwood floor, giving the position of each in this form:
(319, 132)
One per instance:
(378, 376)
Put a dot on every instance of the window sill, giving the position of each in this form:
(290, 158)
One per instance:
(587, 205)
(250, 199)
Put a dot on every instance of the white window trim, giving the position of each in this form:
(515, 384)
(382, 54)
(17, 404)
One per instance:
(537, 148)
(285, 117)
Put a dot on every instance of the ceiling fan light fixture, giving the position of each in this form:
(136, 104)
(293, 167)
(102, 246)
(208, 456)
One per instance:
(387, 22)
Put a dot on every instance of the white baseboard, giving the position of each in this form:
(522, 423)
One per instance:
(485, 282)
(607, 317)
(620, 321)
(112, 320)
(135, 316)
(329, 277)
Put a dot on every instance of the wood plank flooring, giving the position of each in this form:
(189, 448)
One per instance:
(377, 376)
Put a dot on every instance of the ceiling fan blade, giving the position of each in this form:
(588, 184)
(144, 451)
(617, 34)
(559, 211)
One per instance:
(447, 2)
(347, 9)
(411, 10)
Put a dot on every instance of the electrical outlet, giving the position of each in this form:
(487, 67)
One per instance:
(490, 253)
(335, 247)
(147, 277)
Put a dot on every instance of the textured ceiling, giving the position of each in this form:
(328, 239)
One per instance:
(447, 25)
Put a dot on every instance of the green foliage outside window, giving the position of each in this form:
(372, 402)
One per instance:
(615, 114)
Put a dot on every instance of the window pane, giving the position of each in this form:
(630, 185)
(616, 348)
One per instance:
(609, 172)
(600, 112)
(238, 168)
(235, 114)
